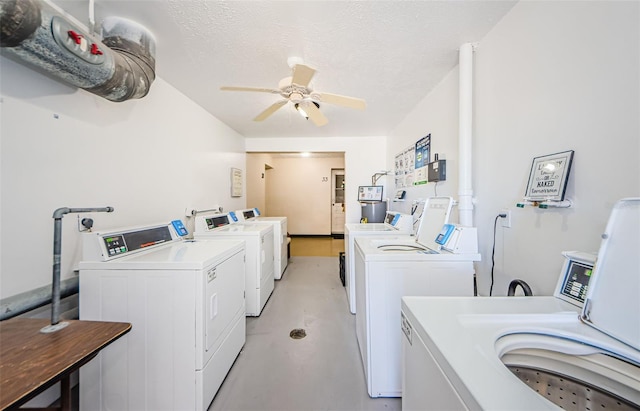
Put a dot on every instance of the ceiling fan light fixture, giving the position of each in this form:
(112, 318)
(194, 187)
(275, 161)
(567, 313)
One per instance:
(297, 90)
(301, 109)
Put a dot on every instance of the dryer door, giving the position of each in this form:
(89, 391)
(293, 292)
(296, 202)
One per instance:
(224, 299)
(266, 255)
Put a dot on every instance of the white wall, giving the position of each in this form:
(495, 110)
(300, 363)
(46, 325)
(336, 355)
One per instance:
(363, 157)
(436, 115)
(62, 147)
(300, 189)
(550, 77)
(256, 180)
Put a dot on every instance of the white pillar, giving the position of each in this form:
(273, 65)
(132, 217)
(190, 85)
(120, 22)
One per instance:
(465, 191)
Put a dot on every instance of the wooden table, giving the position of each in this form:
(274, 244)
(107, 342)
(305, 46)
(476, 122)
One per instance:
(31, 362)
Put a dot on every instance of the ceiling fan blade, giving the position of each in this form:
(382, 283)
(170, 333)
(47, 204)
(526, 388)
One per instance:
(270, 110)
(259, 89)
(302, 75)
(314, 113)
(351, 102)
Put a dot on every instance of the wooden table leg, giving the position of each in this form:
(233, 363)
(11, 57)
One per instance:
(65, 398)
(65, 393)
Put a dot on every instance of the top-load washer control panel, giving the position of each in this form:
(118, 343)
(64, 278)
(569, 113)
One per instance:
(400, 221)
(573, 282)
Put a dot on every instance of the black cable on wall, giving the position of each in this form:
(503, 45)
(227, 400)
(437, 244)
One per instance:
(493, 251)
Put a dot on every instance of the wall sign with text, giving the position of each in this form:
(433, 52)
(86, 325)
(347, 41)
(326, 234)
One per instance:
(236, 182)
(422, 159)
(548, 177)
(404, 167)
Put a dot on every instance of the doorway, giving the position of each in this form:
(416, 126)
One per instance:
(296, 185)
(337, 202)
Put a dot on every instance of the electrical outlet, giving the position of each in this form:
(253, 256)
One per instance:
(506, 221)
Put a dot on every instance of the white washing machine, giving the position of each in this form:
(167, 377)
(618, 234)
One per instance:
(386, 270)
(185, 301)
(534, 353)
(280, 253)
(259, 280)
(395, 223)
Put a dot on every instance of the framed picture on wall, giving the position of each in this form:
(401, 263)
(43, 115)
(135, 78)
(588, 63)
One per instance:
(548, 177)
(236, 182)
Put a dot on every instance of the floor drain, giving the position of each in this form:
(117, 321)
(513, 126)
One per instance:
(297, 333)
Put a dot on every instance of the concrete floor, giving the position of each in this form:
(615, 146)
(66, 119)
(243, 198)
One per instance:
(322, 371)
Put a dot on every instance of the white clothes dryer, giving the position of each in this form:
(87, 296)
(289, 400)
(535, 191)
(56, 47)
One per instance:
(386, 269)
(281, 242)
(395, 223)
(259, 280)
(534, 353)
(185, 301)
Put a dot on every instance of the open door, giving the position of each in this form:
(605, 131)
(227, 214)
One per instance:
(337, 202)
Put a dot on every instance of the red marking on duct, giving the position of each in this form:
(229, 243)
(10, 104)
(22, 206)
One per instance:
(77, 38)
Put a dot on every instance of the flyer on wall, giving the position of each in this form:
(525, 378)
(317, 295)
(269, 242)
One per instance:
(405, 167)
(423, 147)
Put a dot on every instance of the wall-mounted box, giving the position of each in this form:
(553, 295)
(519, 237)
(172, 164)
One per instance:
(437, 171)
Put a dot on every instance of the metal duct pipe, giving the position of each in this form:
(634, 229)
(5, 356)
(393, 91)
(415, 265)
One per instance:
(30, 300)
(119, 68)
(465, 190)
(57, 256)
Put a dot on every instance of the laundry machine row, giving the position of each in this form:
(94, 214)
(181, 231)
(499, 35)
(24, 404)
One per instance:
(185, 301)
(575, 350)
(259, 243)
(395, 223)
(388, 268)
(280, 253)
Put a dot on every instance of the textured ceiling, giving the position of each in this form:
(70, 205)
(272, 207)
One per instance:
(390, 53)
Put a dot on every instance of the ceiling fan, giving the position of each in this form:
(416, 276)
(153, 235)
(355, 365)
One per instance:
(296, 89)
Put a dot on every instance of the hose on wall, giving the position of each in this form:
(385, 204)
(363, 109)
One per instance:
(525, 288)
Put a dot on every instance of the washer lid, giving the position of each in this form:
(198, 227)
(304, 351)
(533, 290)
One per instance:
(374, 227)
(434, 215)
(613, 300)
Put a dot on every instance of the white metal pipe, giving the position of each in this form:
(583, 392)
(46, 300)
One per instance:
(92, 18)
(465, 190)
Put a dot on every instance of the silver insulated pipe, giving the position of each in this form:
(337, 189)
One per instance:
(119, 67)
